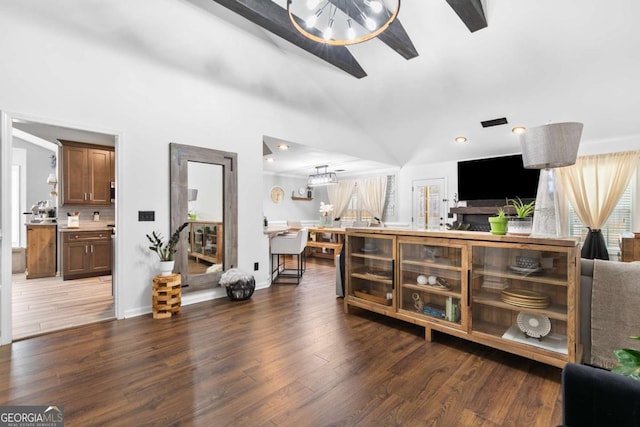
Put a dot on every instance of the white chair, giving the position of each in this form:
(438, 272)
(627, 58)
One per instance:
(290, 244)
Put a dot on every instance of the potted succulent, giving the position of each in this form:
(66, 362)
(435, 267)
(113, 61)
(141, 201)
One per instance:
(498, 223)
(165, 250)
(521, 224)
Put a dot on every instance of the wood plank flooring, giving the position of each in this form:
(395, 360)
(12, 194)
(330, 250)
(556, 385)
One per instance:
(49, 304)
(289, 356)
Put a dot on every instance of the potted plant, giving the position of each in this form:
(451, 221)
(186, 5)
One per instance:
(628, 362)
(165, 250)
(521, 224)
(498, 223)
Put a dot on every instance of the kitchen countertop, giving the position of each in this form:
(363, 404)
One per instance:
(85, 227)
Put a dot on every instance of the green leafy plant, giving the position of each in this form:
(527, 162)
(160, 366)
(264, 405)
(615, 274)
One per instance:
(457, 225)
(522, 210)
(501, 213)
(629, 361)
(165, 250)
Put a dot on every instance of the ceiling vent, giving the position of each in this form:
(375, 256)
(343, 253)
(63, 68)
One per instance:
(494, 122)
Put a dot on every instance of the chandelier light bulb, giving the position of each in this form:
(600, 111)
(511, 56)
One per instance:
(311, 20)
(328, 32)
(375, 6)
(370, 24)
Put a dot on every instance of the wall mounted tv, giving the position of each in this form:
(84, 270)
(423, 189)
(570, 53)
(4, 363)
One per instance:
(496, 178)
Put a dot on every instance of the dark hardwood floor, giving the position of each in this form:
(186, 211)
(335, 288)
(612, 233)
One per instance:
(289, 356)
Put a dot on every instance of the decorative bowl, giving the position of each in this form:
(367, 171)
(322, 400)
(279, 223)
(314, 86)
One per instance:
(527, 262)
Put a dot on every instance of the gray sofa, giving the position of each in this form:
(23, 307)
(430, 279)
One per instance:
(623, 314)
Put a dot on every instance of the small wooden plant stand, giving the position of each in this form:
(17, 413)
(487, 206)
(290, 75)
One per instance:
(166, 296)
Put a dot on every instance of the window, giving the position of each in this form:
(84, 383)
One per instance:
(619, 221)
(355, 212)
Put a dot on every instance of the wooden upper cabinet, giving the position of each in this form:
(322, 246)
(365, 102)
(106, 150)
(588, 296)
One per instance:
(87, 172)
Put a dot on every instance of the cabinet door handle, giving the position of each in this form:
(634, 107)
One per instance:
(86, 249)
(91, 248)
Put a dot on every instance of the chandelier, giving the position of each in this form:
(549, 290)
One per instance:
(319, 179)
(342, 22)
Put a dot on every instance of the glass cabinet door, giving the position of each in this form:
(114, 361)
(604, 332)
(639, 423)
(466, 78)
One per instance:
(521, 295)
(430, 279)
(370, 272)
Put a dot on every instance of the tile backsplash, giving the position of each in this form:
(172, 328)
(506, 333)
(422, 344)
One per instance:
(107, 213)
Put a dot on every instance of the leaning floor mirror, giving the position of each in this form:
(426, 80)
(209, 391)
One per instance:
(204, 194)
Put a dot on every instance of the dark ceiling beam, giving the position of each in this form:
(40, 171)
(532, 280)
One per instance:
(395, 36)
(397, 39)
(471, 13)
(275, 19)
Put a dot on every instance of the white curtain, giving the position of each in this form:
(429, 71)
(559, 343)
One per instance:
(340, 195)
(372, 193)
(595, 184)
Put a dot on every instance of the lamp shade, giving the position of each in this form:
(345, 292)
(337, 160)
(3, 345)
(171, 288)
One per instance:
(550, 146)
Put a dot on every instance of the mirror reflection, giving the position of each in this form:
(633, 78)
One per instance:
(206, 221)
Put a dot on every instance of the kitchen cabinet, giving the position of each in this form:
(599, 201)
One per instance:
(41, 250)
(87, 173)
(517, 294)
(86, 254)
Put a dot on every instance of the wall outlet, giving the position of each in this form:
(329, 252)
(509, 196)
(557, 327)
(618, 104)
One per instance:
(146, 215)
(256, 266)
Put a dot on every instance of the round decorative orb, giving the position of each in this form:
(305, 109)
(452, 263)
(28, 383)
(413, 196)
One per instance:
(422, 280)
(433, 280)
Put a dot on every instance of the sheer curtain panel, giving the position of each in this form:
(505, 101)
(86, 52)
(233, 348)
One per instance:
(593, 186)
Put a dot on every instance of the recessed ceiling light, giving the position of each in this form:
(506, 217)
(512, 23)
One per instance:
(461, 139)
(518, 129)
(270, 159)
(283, 147)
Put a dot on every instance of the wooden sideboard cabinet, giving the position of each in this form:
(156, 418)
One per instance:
(87, 174)
(41, 250)
(629, 247)
(471, 285)
(86, 254)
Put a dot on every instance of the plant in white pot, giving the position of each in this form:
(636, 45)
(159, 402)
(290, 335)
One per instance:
(166, 250)
(521, 224)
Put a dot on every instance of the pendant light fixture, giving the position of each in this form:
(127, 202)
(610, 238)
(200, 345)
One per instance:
(319, 179)
(342, 22)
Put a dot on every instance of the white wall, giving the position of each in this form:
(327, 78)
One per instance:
(289, 209)
(63, 66)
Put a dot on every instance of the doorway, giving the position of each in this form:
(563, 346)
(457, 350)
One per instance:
(45, 303)
(429, 209)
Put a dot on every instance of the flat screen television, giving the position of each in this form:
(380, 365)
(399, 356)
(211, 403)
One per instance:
(496, 178)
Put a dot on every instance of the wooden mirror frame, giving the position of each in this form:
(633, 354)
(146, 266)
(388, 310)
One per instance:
(180, 155)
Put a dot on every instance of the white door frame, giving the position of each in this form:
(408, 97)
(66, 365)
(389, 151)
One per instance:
(6, 142)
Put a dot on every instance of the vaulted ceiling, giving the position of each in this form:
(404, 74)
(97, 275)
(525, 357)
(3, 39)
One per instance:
(536, 61)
